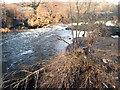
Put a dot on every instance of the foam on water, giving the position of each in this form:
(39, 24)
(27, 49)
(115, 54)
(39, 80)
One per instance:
(60, 27)
(33, 33)
(116, 36)
(26, 52)
(109, 23)
(74, 24)
(80, 33)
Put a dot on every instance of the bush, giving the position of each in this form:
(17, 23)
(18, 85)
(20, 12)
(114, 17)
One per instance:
(12, 16)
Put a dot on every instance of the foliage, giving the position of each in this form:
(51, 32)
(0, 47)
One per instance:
(11, 17)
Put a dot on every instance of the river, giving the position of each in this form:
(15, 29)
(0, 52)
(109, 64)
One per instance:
(28, 47)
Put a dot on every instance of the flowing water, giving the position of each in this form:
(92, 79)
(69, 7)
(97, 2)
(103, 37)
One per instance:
(21, 48)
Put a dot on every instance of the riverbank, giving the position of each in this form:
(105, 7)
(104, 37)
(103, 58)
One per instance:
(7, 30)
(35, 60)
(106, 30)
(96, 70)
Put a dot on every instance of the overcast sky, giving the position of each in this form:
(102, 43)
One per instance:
(16, 1)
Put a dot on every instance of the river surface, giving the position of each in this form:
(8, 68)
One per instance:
(28, 47)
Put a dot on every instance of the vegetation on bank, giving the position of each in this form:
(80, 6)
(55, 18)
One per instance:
(66, 71)
(39, 14)
(79, 67)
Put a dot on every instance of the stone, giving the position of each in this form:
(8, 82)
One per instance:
(105, 61)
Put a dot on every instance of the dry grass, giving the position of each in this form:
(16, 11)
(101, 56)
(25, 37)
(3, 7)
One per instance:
(67, 71)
